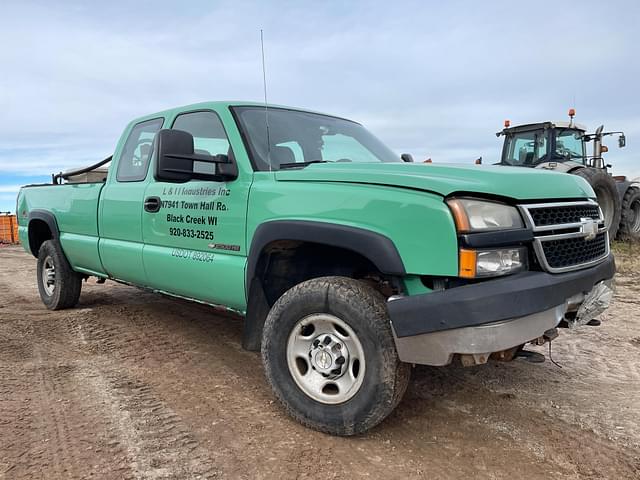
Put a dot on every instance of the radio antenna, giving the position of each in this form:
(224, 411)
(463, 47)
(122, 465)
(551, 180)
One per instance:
(266, 107)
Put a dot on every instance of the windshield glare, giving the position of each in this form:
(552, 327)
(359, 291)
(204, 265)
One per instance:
(297, 137)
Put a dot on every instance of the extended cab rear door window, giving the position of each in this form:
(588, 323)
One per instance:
(134, 159)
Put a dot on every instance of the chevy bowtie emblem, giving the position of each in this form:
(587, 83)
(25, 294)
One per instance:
(589, 227)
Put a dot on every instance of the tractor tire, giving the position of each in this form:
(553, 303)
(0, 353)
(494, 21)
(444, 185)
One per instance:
(330, 357)
(630, 220)
(607, 196)
(58, 284)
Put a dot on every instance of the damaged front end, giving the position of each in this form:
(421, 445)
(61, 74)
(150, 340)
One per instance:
(583, 309)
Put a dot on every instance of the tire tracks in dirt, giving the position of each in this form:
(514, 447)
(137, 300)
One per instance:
(135, 385)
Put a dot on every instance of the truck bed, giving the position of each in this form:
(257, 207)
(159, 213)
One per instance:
(75, 207)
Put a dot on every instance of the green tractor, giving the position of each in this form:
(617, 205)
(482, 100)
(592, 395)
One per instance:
(562, 146)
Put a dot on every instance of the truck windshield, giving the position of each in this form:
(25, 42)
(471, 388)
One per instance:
(299, 137)
(523, 149)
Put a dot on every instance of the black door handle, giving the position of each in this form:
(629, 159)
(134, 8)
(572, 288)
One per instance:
(152, 204)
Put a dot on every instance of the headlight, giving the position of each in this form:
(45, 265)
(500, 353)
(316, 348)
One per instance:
(491, 263)
(473, 215)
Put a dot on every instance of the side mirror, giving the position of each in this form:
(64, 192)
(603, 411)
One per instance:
(176, 160)
(406, 157)
(622, 141)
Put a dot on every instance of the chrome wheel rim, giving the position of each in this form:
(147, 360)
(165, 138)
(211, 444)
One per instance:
(325, 358)
(48, 276)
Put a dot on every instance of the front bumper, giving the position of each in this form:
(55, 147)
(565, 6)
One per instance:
(490, 316)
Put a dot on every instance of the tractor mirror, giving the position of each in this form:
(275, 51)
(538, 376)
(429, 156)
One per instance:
(622, 141)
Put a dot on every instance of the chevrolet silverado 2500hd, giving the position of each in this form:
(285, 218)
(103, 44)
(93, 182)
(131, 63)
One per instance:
(348, 264)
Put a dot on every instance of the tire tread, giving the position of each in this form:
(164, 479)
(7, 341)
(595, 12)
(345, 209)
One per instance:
(67, 292)
(372, 305)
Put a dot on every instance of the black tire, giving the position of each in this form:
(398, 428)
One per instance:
(363, 309)
(630, 219)
(607, 195)
(62, 290)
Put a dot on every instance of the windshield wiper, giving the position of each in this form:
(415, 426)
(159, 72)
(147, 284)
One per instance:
(302, 164)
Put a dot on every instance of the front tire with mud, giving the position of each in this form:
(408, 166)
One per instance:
(607, 195)
(330, 358)
(58, 284)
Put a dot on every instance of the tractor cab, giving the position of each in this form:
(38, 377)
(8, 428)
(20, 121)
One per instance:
(544, 145)
(553, 145)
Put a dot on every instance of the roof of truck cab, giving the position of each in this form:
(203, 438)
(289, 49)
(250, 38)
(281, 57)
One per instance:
(224, 104)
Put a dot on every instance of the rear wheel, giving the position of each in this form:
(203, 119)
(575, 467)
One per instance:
(330, 358)
(630, 221)
(58, 284)
(607, 195)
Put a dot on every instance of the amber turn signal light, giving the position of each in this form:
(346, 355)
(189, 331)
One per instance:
(467, 262)
(459, 215)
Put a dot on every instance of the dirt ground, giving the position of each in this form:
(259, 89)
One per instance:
(135, 385)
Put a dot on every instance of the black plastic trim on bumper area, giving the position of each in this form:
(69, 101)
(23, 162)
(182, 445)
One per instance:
(513, 296)
(500, 238)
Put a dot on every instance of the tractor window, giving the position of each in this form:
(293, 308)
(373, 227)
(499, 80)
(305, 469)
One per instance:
(569, 145)
(525, 148)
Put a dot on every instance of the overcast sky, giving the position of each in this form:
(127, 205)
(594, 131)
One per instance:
(436, 79)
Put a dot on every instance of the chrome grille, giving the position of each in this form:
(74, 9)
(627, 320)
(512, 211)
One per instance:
(567, 236)
(562, 214)
(574, 251)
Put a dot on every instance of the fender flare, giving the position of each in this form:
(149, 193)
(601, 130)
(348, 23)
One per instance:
(48, 218)
(377, 248)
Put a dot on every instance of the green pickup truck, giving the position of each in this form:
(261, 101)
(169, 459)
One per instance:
(347, 263)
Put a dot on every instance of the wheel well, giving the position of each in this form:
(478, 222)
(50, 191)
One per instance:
(283, 264)
(39, 232)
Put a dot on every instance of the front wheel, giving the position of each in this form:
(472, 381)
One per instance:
(330, 358)
(58, 284)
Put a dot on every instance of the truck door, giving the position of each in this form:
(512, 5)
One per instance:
(195, 236)
(120, 210)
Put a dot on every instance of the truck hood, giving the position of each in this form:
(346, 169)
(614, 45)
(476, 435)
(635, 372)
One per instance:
(513, 182)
